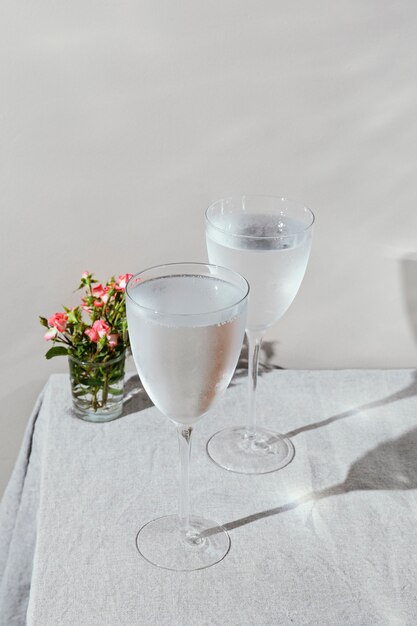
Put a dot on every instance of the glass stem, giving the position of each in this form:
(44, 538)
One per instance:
(184, 439)
(254, 346)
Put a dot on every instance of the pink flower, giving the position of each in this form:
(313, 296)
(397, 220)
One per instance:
(58, 321)
(85, 274)
(51, 334)
(105, 296)
(99, 329)
(98, 303)
(91, 333)
(123, 280)
(113, 339)
(86, 306)
(98, 291)
(101, 292)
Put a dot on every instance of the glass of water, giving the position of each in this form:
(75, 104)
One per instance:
(267, 240)
(186, 327)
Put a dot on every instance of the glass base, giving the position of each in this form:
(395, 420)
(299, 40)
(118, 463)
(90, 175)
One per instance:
(163, 544)
(261, 453)
(103, 415)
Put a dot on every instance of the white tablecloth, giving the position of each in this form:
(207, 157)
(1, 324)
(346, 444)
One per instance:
(329, 540)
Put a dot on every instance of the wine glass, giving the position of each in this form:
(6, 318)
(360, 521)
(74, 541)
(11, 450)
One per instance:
(186, 327)
(267, 240)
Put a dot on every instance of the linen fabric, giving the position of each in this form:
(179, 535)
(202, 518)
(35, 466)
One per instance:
(328, 540)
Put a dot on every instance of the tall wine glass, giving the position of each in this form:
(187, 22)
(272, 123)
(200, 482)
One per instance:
(186, 326)
(267, 240)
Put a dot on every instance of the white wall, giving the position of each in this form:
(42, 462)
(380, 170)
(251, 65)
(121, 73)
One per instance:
(121, 121)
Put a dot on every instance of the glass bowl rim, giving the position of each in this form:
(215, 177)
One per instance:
(94, 363)
(185, 263)
(263, 197)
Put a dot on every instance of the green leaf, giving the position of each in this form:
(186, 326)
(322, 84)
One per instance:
(72, 317)
(44, 321)
(56, 351)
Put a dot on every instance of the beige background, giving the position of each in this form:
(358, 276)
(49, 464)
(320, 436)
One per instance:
(121, 121)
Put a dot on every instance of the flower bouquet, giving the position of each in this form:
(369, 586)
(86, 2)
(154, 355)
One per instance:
(94, 337)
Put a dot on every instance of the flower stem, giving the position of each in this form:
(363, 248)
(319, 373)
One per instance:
(104, 395)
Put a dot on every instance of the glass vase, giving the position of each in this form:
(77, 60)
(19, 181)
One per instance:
(97, 388)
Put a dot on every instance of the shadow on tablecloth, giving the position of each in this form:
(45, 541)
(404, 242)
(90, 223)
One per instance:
(392, 465)
(402, 394)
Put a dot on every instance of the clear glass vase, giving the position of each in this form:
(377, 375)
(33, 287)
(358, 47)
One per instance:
(97, 388)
